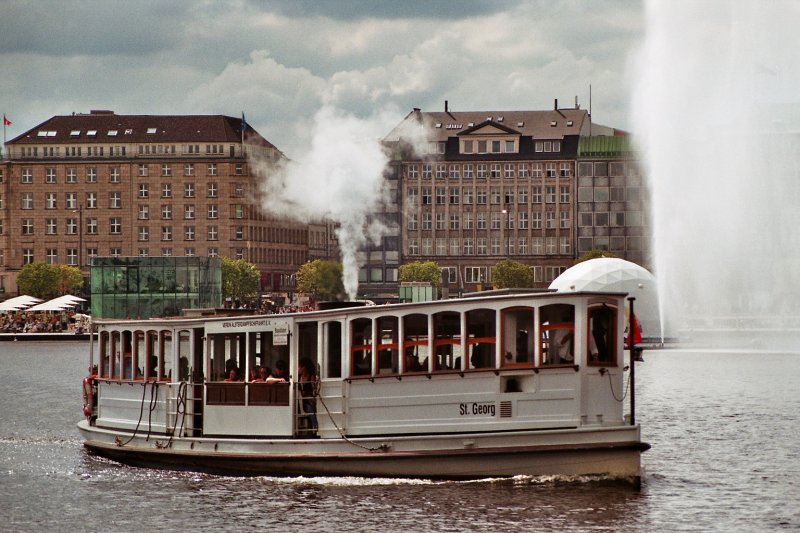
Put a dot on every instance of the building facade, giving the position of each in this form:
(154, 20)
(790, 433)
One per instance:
(473, 188)
(102, 184)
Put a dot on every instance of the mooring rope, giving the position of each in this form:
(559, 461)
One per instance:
(341, 433)
(141, 413)
(611, 386)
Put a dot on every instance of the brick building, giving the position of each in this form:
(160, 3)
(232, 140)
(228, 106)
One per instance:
(102, 184)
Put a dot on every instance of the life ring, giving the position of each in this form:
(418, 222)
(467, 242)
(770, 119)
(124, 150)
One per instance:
(88, 399)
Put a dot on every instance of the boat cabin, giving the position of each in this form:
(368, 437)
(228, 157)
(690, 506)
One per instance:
(487, 363)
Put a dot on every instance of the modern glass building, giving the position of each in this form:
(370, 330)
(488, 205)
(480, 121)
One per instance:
(145, 287)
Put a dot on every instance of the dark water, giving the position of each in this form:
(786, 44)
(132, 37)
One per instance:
(725, 457)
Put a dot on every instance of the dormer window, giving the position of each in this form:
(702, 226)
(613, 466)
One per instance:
(91, 133)
(112, 133)
(151, 131)
(75, 133)
(553, 124)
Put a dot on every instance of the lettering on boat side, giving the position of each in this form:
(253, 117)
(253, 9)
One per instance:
(476, 409)
(280, 328)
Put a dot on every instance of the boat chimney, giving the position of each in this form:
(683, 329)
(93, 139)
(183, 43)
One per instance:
(445, 106)
(555, 104)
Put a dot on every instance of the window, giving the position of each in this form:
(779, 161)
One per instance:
(455, 249)
(72, 226)
(144, 190)
(26, 200)
(115, 252)
(481, 196)
(454, 221)
(72, 175)
(166, 233)
(213, 252)
(550, 220)
(467, 220)
(564, 245)
(565, 220)
(238, 169)
(113, 175)
(238, 233)
(413, 247)
(188, 190)
(426, 196)
(91, 175)
(522, 245)
(412, 221)
(143, 252)
(412, 196)
(115, 226)
(144, 212)
(188, 233)
(72, 256)
(537, 170)
(441, 171)
(565, 170)
(211, 191)
(238, 190)
(481, 147)
(238, 211)
(427, 171)
(50, 175)
(166, 190)
(455, 195)
(27, 256)
(495, 193)
(468, 248)
(439, 221)
(188, 169)
(91, 200)
(412, 171)
(51, 226)
(189, 252)
(188, 211)
(166, 212)
(27, 226)
(522, 197)
(212, 169)
(481, 221)
(510, 147)
(564, 197)
(550, 245)
(426, 221)
(454, 172)
(536, 220)
(495, 147)
(550, 194)
(508, 171)
(468, 195)
(27, 175)
(115, 200)
(90, 253)
(468, 171)
(495, 220)
(212, 211)
(494, 170)
(468, 147)
(603, 327)
(213, 233)
(523, 220)
(481, 170)
(144, 171)
(166, 252)
(537, 246)
(440, 195)
(91, 226)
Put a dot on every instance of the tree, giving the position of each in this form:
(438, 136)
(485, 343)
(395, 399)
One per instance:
(511, 274)
(70, 279)
(594, 253)
(321, 278)
(240, 278)
(421, 271)
(39, 279)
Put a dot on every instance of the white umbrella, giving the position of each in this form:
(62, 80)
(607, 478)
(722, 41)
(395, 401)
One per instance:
(58, 304)
(18, 302)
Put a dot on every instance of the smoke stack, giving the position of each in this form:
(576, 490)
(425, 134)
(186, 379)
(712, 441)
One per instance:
(445, 106)
(555, 104)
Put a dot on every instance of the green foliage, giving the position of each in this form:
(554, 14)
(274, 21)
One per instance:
(421, 271)
(48, 281)
(510, 274)
(594, 253)
(240, 278)
(321, 278)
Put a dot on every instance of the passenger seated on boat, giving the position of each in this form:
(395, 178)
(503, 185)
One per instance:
(308, 383)
(265, 376)
(233, 375)
(279, 372)
(562, 346)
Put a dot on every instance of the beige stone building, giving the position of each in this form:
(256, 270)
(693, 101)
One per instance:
(472, 188)
(102, 184)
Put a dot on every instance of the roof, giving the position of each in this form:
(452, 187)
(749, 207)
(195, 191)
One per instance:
(108, 127)
(552, 124)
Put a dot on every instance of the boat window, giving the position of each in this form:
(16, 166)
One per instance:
(165, 356)
(447, 341)
(184, 355)
(518, 338)
(227, 352)
(388, 353)
(332, 341)
(116, 351)
(361, 347)
(139, 354)
(307, 342)
(152, 355)
(481, 338)
(602, 335)
(557, 327)
(128, 362)
(415, 343)
(105, 359)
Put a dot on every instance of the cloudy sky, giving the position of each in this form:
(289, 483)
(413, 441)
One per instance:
(281, 61)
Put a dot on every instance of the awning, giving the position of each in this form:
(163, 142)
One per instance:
(58, 304)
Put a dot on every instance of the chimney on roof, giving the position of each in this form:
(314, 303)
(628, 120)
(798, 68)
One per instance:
(445, 107)
(555, 105)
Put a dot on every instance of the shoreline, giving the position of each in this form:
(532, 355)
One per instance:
(62, 336)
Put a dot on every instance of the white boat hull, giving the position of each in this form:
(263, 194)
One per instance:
(611, 451)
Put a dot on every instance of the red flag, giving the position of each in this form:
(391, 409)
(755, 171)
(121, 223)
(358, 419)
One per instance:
(6, 122)
(637, 332)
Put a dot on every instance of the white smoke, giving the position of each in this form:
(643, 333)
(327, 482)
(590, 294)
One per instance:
(339, 178)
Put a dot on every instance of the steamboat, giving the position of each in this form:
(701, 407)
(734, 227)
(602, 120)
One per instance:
(492, 385)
